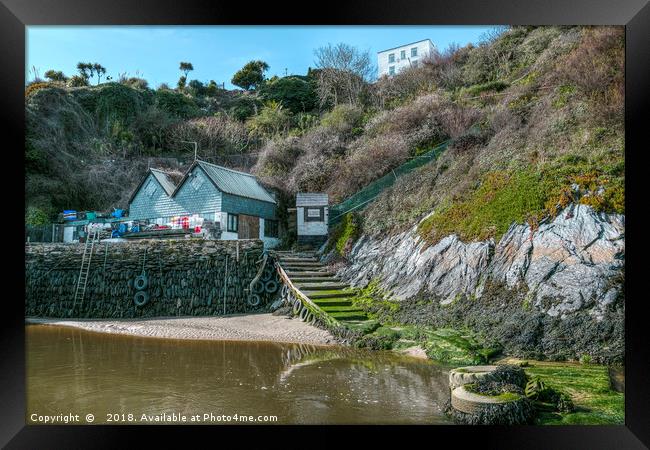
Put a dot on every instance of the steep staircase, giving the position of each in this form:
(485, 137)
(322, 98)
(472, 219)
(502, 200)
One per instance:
(322, 287)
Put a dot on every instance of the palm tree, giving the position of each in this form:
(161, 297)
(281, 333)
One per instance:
(99, 70)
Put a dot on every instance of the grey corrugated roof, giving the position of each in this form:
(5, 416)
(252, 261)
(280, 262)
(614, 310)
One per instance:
(165, 180)
(311, 199)
(236, 183)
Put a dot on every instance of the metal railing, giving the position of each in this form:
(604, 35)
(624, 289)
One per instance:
(371, 191)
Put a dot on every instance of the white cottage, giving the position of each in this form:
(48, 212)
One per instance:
(312, 213)
(392, 61)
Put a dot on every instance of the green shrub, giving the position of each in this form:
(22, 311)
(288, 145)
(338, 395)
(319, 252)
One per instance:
(294, 93)
(343, 118)
(77, 81)
(117, 103)
(176, 104)
(36, 216)
(244, 106)
(270, 121)
(475, 90)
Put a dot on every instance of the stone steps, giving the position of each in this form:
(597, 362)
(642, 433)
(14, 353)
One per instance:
(299, 260)
(345, 316)
(307, 274)
(303, 265)
(321, 286)
(303, 269)
(315, 295)
(301, 279)
(342, 301)
(342, 308)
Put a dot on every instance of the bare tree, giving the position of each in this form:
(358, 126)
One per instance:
(343, 72)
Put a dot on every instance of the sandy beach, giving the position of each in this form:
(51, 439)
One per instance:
(244, 327)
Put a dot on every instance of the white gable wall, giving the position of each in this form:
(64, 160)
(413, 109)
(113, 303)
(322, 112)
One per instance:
(424, 48)
(309, 228)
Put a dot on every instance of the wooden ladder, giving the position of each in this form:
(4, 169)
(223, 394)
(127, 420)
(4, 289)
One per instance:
(85, 269)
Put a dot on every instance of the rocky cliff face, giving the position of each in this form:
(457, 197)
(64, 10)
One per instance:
(570, 267)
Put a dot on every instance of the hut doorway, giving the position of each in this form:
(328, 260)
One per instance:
(249, 227)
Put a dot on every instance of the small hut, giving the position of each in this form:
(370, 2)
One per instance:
(312, 214)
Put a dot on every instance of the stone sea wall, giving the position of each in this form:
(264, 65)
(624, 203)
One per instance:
(184, 277)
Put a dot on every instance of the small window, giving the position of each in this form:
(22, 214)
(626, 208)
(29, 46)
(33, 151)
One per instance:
(414, 51)
(197, 182)
(391, 57)
(233, 223)
(270, 228)
(314, 214)
(402, 54)
(150, 189)
(391, 70)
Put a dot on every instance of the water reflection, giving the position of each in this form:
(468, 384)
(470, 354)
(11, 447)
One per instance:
(76, 371)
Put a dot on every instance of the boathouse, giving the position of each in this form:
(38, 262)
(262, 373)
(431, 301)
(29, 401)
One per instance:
(235, 202)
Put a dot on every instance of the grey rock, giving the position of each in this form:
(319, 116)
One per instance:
(571, 263)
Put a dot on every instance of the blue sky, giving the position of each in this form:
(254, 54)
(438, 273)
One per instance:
(216, 52)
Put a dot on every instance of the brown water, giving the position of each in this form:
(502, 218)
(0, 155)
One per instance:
(118, 377)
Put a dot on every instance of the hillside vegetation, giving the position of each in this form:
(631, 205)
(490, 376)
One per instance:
(534, 114)
(550, 132)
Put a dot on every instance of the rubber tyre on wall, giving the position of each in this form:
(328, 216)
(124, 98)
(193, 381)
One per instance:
(254, 300)
(470, 374)
(141, 282)
(271, 286)
(469, 403)
(141, 298)
(296, 307)
(304, 314)
(267, 273)
(258, 287)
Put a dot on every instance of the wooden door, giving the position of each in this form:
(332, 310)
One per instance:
(249, 227)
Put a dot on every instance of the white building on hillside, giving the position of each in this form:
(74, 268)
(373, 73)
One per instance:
(393, 60)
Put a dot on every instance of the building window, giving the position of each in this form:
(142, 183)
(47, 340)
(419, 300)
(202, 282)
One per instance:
(270, 228)
(391, 57)
(414, 52)
(314, 214)
(233, 223)
(197, 182)
(402, 54)
(391, 70)
(150, 189)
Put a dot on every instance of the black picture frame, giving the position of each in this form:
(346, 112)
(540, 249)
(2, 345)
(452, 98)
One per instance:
(634, 14)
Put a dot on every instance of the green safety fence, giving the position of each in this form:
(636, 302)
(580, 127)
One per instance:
(372, 190)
